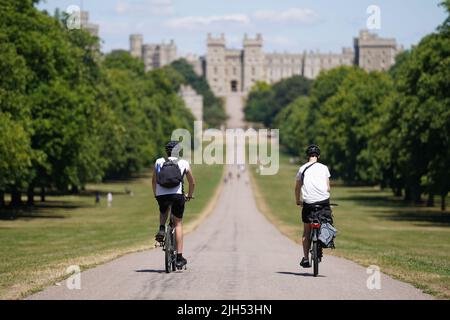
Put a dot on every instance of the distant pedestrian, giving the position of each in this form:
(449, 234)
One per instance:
(109, 198)
(230, 175)
(97, 197)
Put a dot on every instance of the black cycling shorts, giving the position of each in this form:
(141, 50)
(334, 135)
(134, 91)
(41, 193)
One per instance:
(307, 210)
(175, 200)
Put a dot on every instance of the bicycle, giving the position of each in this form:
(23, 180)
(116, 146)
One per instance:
(169, 245)
(315, 244)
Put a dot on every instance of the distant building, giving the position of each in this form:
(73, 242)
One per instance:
(373, 53)
(193, 101)
(153, 55)
(92, 28)
(196, 62)
(231, 70)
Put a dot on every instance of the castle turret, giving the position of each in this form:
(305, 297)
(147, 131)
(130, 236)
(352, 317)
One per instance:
(215, 64)
(136, 41)
(253, 61)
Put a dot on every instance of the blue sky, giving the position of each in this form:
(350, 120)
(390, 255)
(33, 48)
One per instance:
(286, 25)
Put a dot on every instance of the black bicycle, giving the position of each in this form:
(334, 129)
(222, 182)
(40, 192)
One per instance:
(169, 245)
(315, 244)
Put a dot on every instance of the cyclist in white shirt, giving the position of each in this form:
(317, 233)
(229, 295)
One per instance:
(313, 185)
(173, 197)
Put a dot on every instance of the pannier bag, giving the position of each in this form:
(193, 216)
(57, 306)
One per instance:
(327, 233)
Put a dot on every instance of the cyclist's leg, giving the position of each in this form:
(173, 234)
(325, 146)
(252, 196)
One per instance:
(306, 241)
(179, 233)
(164, 206)
(178, 211)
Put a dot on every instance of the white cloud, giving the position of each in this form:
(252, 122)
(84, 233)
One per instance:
(148, 7)
(292, 15)
(202, 21)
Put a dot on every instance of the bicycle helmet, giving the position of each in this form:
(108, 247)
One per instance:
(170, 146)
(313, 150)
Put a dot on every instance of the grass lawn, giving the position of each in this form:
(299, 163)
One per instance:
(409, 243)
(38, 246)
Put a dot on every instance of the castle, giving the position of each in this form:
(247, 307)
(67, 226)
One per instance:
(231, 70)
(237, 70)
(153, 55)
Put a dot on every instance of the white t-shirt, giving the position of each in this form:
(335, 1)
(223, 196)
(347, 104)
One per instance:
(315, 187)
(184, 168)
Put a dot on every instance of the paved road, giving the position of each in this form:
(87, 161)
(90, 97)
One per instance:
(234, 110)
(234, 254)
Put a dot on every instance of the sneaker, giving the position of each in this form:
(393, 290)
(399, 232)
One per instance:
(160, 235)
(305, 263)
(181, 262)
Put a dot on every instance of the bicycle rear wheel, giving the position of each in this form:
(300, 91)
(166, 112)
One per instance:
(168, 250)
(174, 249)
(315, 256)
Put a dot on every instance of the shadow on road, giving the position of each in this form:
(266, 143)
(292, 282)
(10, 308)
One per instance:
(304, 274)
(151, 271)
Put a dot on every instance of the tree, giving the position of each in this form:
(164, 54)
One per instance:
(265, 102)
(295, 125)
(213, 107)
(345, 125)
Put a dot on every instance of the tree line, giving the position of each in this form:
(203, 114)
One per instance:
(386, 128)
(70, 115)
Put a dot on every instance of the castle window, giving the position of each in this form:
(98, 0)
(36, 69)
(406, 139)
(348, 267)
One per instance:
(253, 71)
(234, 71)
(215, 70)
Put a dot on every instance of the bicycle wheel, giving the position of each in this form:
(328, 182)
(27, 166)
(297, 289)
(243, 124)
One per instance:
(168, 250)
(315, 257)
(174, 250)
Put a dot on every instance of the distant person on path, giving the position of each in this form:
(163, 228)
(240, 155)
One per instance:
(313, 180)
(97, 197)
(167, 184)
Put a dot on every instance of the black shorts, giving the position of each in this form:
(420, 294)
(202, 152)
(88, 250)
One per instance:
(174, 200)
(307, 211)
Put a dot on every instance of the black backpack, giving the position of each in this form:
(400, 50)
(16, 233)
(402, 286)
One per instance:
(169, 175)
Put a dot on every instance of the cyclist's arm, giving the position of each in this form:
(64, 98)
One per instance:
(154, 183)
(298, 186)
(328, 184)
(191, 181)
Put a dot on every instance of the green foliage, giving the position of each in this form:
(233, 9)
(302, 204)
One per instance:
(67, 116)
(345, 125)
(390, 128)
(213, 107)
(265, 102)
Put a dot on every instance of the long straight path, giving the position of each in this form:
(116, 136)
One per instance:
(234, 254)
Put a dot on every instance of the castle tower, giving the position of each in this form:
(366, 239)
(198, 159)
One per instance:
(253, 61)
(374, 53)
(168, 53)
(136, 41)
(215, 64)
